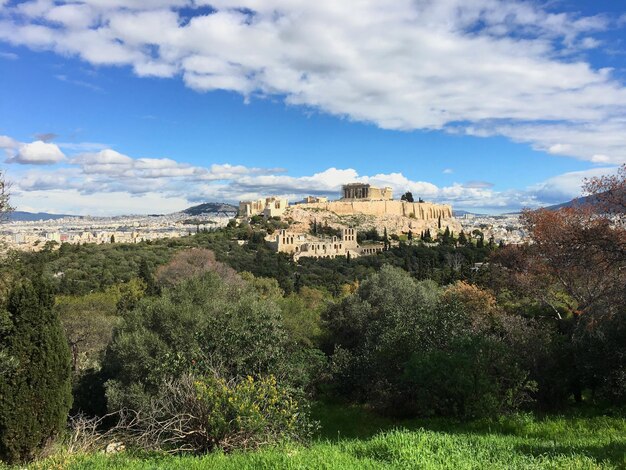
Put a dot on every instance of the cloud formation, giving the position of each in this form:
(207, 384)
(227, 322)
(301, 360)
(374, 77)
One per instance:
(485, 67)
(120, 181)
(35, 153)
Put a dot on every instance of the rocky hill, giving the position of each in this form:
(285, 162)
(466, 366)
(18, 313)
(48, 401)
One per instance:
(302, 219)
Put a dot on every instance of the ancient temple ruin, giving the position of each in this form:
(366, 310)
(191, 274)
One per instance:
(365, 192)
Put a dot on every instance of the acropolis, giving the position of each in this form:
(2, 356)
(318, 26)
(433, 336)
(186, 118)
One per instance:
(361, 198)
(361, 206)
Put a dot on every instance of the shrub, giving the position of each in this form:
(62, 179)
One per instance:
(200, 414)
(35, 395)
(200, 325)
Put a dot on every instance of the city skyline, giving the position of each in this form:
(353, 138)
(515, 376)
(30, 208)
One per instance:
(110, 107)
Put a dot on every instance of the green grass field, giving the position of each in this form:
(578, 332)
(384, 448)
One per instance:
(353, 439)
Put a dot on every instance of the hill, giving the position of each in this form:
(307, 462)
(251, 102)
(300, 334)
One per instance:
(592, 201)
(212, 208)
(576, 202)
(21, 216)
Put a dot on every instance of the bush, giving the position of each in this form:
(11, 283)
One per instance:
(200, 414)
(200, 325)
(409, 347)
(35, 395)
(475, 378)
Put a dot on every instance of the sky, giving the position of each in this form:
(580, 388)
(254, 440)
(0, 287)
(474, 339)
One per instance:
(114, 107)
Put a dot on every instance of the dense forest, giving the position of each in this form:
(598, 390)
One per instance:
(215, 342)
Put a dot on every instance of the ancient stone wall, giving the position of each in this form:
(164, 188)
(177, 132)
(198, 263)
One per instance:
(418, 210)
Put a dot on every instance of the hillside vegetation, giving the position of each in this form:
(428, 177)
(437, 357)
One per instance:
(212, 350)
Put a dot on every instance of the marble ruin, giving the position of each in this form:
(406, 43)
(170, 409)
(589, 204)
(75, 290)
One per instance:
(365, 192)
(268, 207)
(302, 245)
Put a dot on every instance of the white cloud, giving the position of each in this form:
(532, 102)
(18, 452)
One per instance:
(71, 201)
(487, 67)
(564, 187)
(89, 180)
(37, 153)
(7, 142)
(448, 171)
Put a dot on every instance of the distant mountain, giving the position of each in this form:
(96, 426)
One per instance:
(211, 208)
(580, 201)
(21, 216)
(577, 202)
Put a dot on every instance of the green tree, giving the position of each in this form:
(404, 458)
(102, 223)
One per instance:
(446, 238)
(462, 238)
(146, 274)
(408, 197)
(389, 340)
(36, 396)
(481, 242)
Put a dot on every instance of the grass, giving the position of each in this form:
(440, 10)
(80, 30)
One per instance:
(351, 438)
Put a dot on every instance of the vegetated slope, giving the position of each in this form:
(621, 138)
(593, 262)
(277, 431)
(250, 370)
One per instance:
(520, 441)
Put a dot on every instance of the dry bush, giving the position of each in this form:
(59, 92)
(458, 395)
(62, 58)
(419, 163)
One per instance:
(86, 434)
(200, 414)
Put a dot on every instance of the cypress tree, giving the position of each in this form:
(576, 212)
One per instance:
(36, 395)
(446, 236)
(145, 273)
(462, 238)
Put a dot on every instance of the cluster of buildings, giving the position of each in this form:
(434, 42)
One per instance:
(34, 235)
(356, 198)
(506, 228)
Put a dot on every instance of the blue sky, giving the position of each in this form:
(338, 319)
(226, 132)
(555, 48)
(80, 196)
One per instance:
(111, 107)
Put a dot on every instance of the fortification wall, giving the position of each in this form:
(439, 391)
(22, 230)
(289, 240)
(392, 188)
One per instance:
(419, 210)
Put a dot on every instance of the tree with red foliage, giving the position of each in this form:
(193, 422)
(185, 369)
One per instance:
(609, 192)
(581, 250)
